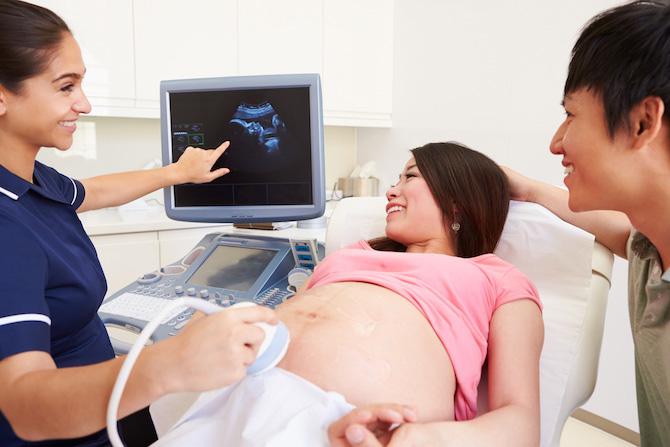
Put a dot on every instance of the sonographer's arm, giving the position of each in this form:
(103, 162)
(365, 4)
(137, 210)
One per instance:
(116, 189)
(611, 228)
(43, 402)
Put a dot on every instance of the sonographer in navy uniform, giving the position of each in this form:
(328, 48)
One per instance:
(57, 367)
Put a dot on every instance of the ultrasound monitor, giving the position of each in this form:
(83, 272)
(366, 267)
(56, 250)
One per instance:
(275, 127)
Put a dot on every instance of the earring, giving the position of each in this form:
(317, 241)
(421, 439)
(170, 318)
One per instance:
(455, 226)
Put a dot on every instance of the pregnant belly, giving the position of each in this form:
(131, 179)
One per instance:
(371, 345)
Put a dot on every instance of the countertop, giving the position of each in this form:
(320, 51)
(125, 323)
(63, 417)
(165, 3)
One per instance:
(153, 218)
(120, 220)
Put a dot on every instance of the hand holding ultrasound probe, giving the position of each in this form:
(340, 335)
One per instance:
(270, 352)
(266, 354)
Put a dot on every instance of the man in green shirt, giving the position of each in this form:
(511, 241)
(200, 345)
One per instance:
(615, 145)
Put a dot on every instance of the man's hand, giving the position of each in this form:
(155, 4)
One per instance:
(521, 188)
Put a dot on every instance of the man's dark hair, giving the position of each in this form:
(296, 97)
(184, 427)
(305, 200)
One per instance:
(623, 56)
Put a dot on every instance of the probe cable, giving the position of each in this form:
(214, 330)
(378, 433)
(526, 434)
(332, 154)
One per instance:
(131, 358)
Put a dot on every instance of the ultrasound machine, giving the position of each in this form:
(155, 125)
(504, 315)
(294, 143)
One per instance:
(275, 127)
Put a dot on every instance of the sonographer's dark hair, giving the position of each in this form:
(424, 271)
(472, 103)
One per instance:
(623, 56)
(29, 35)
(458, 175)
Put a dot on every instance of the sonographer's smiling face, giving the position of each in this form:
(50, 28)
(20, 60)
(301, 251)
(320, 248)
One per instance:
(44, 112)
(413, 216)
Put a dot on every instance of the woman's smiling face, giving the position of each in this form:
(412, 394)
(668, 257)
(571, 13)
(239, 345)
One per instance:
(413, 216)
(44, 112)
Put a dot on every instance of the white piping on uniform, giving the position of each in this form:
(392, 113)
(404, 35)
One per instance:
(25, 317)
(9, 194)
(75, 191)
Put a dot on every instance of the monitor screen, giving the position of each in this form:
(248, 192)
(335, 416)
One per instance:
(275, 128)
(232, 268)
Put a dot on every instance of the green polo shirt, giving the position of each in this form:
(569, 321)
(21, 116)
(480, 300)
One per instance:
(649, 306)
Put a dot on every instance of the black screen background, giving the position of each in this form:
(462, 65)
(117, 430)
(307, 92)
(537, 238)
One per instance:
(288, 182)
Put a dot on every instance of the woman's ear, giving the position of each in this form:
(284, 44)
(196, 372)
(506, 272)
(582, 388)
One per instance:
(646, 120)
(3, 101)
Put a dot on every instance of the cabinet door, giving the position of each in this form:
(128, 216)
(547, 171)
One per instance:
(179, 40)
(125, 257)
(278, 37)
(358, 60)
(104, 31)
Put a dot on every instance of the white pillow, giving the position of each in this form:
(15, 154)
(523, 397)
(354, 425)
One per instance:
(557, 257)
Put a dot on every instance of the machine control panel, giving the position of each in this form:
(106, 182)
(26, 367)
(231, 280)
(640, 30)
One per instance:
(222, 268)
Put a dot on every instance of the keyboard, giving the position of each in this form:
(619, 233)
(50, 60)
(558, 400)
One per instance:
(141, 307)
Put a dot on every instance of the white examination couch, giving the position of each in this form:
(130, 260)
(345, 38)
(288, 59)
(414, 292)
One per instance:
(572, 275)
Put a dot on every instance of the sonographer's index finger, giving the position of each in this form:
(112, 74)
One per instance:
(221, 149)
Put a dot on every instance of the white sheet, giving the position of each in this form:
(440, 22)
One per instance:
(273, 409)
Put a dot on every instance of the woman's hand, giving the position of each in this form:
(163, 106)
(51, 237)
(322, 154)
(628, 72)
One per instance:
(195, 165)
(520, 187)
(370, 426)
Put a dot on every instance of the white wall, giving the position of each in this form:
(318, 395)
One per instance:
(490, 74)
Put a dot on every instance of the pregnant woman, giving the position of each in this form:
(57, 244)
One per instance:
(405, 319)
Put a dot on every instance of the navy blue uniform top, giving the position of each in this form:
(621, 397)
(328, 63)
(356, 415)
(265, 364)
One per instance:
(51, 281)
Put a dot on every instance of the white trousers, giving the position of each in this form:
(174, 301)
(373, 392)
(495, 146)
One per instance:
(273, 409)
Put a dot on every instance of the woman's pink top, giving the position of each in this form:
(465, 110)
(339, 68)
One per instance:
(456, 295)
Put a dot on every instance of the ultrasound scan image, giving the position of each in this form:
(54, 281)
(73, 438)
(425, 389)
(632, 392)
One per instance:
(259, 140)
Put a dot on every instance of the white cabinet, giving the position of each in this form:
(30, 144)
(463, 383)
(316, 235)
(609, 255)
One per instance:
(129, 46)
(280, 37)
(104, 31)
(358, 67)
(125, 257)
(349, 42)
(177, 40)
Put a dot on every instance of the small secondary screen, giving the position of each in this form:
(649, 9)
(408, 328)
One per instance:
(232, 268)
(270, 145)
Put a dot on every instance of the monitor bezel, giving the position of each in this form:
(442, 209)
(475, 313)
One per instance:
(249, 213)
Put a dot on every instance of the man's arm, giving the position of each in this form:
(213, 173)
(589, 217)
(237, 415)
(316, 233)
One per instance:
(611, 228)
(116, 189)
